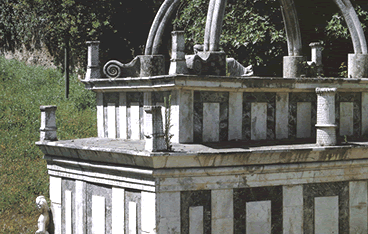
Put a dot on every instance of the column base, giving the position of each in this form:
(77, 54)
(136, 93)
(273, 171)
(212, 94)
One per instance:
(357, 65)
(293, 66)
(326, 135)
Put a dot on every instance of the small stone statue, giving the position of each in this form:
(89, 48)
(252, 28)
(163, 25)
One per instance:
(44, 219)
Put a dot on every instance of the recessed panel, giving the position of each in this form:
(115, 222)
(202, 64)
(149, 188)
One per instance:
(211, 122)
(303, 120)
(346, 118)
(259, 120)
(258, 218)
(196, 220)
(326, 210)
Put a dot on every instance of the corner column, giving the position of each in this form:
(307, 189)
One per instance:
(326, 127)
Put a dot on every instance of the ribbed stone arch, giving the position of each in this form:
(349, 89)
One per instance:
(215, 17)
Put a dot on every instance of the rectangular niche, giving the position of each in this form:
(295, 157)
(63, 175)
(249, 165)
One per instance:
(195, 209)
(258, 210)
(302, 115)
(135, 129)
(208, 101)
(259, 116)
(330, 216)
(348, 123)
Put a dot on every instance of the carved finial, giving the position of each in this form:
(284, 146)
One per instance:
(44, 219)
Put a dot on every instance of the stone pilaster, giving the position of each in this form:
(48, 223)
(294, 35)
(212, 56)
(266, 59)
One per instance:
(48, 123)
(93, 62)
(326, 128)
(178, 64)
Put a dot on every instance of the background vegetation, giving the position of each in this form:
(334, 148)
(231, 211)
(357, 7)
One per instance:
(23, 173)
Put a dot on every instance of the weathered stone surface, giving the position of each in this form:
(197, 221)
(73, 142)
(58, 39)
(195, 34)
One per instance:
(93, 61)
(207, 63)
(293, 66)
(357, 65)
(48, 123)
(178, 64)
(152, 65)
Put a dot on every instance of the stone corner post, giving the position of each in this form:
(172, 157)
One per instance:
(326, 128)
(93, 61)
(316, 52)
(293, 66)
(357, 65)
(48, 123)
(178, 63)
(154, 134)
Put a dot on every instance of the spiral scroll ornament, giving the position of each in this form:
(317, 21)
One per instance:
(112, 69)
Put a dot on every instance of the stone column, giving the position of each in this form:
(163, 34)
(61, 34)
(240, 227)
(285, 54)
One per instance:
(154, 135)
(316, 51)
(178, 64)
(326, 128)
(357, 65)
(48, 123)
(293, 66)
(93, 62)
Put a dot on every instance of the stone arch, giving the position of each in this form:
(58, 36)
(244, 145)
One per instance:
(215, 17)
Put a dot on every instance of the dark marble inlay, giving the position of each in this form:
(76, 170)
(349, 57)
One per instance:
(243, 195)
(102, 191)
(195, 198)
(133, 196)
(134, 97)
(67, 184)
(158, 97)
(310, 191)
(294, 98)
(355, 98)
(248, 98)
(212, 97)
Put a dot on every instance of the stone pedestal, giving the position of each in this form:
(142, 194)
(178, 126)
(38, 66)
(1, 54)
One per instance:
(178, 64)
(93, 67)
(316, 53)
(326, 128)
(48, 123)
(357, 65)
(293, 66)
(152, 65)
(154, 133)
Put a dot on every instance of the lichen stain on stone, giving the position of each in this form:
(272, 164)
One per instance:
(329, 155)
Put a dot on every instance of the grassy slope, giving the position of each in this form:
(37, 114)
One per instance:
(23, 173)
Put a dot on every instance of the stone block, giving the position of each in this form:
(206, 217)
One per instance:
(118, 210)
(258, 218)
(235, 115)
(358, 206)
(185, 117)
(148, 212)
(80, 207)
(152, 65)
(55, 189)
(132, 223)
(364, 113)
(346, 118)
(48, 123)
(93, 60)
(98, 214)
(123, 115)
(326, 214)
(258, 121)
(68, 212)
(222, 211)
(134, 121)
(196, 220)
(111, 121)
(292, 209)
(303, 125)
(100, 115)
(282, 115)
(211, 122)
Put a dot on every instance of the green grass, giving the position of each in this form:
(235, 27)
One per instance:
(23, 173)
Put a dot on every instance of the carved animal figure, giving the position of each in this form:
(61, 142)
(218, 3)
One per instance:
(44, 219)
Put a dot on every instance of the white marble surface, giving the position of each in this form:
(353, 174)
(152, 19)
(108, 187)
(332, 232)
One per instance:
(168, 208)
(258, 121)
(100, 115)
(258, 218)
(118, 210)
(211, 122)
(132, 227)
(292, 209)
(196, 220)
(364, 113)
(55, 189)
(134, 121)
(326, 214)
(98, 215)
(123, 115)
(358, 206)
(346, 118)
(235, 115)
(80, 207)
(68, 212)
(148, 212)
(111, 120)
(303, 120)
(222, 211)
(282, 115)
